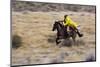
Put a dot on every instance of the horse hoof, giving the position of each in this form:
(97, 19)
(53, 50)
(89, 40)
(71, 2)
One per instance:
(57, 43)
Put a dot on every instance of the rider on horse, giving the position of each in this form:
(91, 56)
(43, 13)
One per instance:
(71, 24)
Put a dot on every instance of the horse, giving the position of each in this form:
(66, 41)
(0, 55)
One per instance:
(62, 33)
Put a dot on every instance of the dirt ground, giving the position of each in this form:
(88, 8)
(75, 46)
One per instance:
(39, 46)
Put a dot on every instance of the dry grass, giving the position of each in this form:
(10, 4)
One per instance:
(39, 47)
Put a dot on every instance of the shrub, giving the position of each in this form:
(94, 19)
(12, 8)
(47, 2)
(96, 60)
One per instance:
(90, 56)
(16, 41)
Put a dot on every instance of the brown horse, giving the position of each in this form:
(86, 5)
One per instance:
(62, 33)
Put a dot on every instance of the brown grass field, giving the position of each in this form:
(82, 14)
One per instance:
(38, 39)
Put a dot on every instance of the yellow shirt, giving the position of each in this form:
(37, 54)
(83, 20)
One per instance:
(69, 22)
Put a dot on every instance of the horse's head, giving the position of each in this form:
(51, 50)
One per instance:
(55, 26)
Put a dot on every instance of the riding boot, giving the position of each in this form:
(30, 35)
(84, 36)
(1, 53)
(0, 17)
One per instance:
(79, 34)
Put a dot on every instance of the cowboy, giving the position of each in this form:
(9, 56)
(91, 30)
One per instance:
(71, 24)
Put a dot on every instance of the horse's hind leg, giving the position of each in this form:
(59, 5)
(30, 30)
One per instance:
(74, 41)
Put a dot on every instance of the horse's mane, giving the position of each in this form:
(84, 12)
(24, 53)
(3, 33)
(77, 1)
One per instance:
(60, 24)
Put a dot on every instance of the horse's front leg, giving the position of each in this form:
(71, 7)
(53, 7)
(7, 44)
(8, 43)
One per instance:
(74, 41)
(57, 41)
